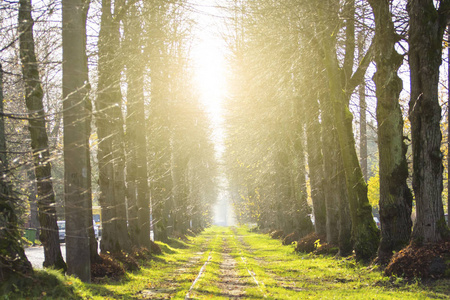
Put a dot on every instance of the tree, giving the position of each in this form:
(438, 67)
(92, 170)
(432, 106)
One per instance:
(362, 111)
(135, 122)
(76, 155)
(111, 157)
(266, 118)
(342, 81)
(338, 225)
(39, 140)
(426, 31)
(302, 211)
(315, 155)
(93, 244)
(395, 197)
(448, 138)
(159, 121)
(13, 262)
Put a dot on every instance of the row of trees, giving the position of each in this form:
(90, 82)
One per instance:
(296, 69)
(131, 121)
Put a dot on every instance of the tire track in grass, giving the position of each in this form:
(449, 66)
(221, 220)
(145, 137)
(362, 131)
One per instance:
(199, 275)
(199, 288)
(287, 283)
(222, 279)
(231, 284)
(242, 248)
(170, 284)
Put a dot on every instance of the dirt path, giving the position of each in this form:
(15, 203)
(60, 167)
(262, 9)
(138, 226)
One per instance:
(223, 273)
(231, 284)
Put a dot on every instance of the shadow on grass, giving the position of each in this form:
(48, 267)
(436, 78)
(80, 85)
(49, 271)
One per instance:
(172, 244)
(178, 244)
(48, 284)
(165, 248)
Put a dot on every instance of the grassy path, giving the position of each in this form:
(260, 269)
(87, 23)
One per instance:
(237, 264)
(233, 263)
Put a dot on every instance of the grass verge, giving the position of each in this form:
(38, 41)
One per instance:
(285, 274)
(265, 268)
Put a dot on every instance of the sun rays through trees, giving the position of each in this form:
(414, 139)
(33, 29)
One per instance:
(131, 121)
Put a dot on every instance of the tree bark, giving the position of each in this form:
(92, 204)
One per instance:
(426, 32)
(134, 74)
(161, 183)
(39, 141)
(179, 164)
(111, 158)
(338, 225)
(362, 115)
(76, 146)
(395, 196)
(13, 262)
(93, 243)
(303, 223)
(448, 132)
(346, 241)
(341, 81)
(315, 164)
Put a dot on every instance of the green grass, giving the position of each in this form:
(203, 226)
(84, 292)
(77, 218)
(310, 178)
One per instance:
(280, 272)
(204, 287)
(287, 275)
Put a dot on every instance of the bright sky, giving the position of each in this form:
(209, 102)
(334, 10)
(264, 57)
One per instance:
(208, 53)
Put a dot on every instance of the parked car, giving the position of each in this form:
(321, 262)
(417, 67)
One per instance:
(62, 230)
(377, 221)
(313, 219)
(97, 231)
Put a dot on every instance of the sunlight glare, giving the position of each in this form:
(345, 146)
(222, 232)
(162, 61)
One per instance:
(210, 75)
(208, 55)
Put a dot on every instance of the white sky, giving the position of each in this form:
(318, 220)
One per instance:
(208, 54)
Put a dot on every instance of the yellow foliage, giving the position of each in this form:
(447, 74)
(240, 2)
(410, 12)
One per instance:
(373, 192)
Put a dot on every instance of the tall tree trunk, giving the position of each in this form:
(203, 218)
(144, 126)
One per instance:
(338, 224)
(448, 132)
(34, 221)
(13, 262)
(362, 114)
(93, 243)
(302, 218)
(335, 189)
(331, 175)
(111, 158)
(342, 82)
(286, 209)
(76, 146)
(133, 224)
(426, 32)
(346, 241)
(143, 191)
(39, 141)
(395, 196)
(134, 74)
(178, 169)
(315, 164)
(119, 179)
(161, 187)
(159, 124)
